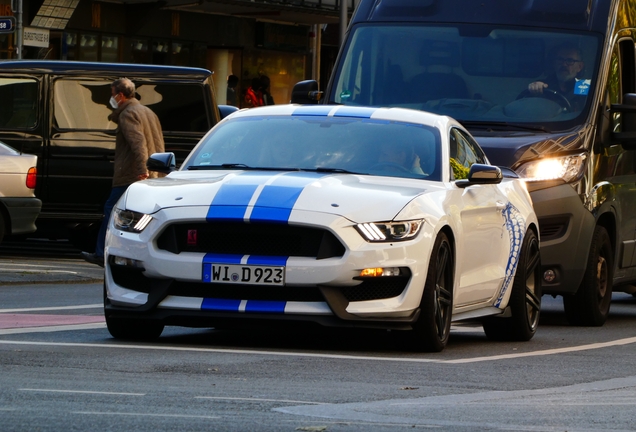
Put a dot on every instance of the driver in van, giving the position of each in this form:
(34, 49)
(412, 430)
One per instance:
(568, 64)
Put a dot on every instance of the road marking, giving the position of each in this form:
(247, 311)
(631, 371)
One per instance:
(9, 270)
(586, 347)
(88, 306)
(50, 329)
(81, 391)
(260, 400)
(144, 414)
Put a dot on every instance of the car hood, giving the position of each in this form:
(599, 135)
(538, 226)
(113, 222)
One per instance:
(271, 196)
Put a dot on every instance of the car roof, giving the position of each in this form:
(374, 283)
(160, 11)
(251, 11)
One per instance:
(123, 69)
(391, 114)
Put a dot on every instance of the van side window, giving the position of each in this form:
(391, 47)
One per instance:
(18, 109)
(82, 104)
(464, 152)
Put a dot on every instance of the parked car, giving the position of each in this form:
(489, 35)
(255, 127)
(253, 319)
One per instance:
(58, 110)
(342, 216)
(19, 207)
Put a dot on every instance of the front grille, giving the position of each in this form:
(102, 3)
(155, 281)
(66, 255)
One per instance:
(553, 228)
(375, 289)
(250, 239)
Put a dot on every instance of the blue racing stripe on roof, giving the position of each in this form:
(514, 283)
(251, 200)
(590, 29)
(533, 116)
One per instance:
(225, 305)
(361, 112)
(265, 306)
(314, 110)
(278, 261)
(276, 201)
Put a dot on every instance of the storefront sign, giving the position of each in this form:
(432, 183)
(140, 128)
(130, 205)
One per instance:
(7, 24)
(36, 37)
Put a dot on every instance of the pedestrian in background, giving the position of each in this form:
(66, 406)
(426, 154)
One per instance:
(232, 82)
(254, 95)
(265, 89)
(138, 135)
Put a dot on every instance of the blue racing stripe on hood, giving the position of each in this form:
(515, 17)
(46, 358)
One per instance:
(276, 200)
(232, 198)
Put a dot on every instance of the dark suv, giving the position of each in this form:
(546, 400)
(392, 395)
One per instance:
(58, 110)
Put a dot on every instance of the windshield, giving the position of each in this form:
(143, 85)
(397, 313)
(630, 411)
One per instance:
(470, 72)
(317, 143)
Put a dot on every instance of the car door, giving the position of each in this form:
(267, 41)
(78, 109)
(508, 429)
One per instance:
(483, 246)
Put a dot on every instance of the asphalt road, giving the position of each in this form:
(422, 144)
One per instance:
(61, 371)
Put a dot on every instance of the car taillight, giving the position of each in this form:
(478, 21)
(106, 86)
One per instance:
(31, 177)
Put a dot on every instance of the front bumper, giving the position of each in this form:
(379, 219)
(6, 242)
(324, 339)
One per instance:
(171, 286)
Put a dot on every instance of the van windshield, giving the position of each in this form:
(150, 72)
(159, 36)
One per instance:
(476, 74)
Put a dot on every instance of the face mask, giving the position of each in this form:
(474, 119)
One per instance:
(113, 102)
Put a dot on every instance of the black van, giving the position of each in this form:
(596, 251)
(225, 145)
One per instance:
(58, 110)
(474, 61)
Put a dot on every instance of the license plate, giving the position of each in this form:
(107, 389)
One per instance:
(247, 274)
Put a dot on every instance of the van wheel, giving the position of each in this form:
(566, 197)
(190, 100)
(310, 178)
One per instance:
(431, 331)
(525, 298)
(591, 303)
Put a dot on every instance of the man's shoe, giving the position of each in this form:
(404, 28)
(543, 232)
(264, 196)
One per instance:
(92, 258)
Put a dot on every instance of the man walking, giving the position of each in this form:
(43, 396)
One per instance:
(139, 135)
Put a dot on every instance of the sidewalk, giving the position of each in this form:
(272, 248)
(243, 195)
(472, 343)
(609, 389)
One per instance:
(24, 270)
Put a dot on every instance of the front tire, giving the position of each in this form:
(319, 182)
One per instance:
(432, 330)
(591, 304)
(525, 298)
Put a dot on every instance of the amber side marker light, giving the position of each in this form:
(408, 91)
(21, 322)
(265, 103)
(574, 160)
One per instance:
(380, 271)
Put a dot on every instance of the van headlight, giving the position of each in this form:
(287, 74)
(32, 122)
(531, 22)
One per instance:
(566, 168)
(389, 231)
(127, 220)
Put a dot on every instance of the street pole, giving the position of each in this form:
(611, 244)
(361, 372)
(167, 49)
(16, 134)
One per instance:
(16, 6)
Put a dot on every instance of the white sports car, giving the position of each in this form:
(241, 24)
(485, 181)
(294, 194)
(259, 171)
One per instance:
(342, 216)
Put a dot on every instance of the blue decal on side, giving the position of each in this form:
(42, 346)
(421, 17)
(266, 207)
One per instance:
(516, 227)
(224, 305)
(360, 112)
(312, 111)
(211, 258)
(265, 306)
(278, 261)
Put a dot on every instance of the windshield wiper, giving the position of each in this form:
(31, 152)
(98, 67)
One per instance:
(502, 126)
(238, 166)
(332, 170)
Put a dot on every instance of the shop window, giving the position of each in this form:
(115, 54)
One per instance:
(88, 49)
(180, 54)
(69, 46)
(18, 109)
(110, 49)
(136, 51)
(160, 51)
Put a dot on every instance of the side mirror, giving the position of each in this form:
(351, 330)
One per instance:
(627, 136)
(226, 110)
(161, 162)
(481, 174)
(306, 92)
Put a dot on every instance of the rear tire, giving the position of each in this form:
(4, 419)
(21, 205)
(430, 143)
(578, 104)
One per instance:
(525, 298)
(432, 330)
(591, 304)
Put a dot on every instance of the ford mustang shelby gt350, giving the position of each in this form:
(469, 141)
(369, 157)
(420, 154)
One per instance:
(342, 216)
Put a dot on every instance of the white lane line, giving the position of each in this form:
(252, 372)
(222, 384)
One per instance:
(12, 270)
(586, 347)
(49, 329)
(260, 400)
(81, 391)
(87, 306)
(144, 414)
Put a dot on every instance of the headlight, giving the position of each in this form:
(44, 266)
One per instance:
(389, 231)
(566, 168)
(130, 221)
